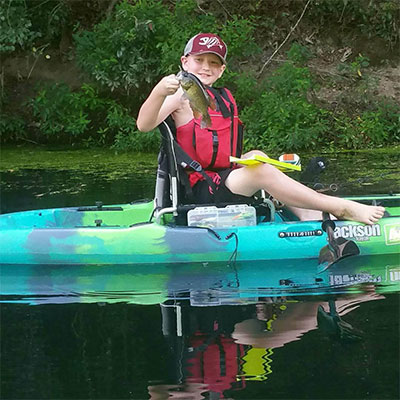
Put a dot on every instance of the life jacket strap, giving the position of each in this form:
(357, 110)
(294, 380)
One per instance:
(184, 160)
(221, 104)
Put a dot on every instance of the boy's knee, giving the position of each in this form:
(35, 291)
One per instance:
(254, 152)
(261, 172)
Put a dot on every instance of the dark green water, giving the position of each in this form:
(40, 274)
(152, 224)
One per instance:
(212, 337)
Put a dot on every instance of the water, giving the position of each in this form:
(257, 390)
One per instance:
(230, 330)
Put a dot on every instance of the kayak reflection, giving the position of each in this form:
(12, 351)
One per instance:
(224, 327)
(204, 284)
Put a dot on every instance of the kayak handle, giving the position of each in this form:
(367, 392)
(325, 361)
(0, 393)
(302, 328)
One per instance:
(166, 210)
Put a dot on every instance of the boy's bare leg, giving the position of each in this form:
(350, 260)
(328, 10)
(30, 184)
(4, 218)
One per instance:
(248, 180)
(306, 215)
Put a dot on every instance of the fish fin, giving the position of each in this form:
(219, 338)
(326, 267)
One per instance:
(196, 114)
(212, 103)
(206, 122)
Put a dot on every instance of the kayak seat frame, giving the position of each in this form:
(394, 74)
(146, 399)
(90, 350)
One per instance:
(170, 191)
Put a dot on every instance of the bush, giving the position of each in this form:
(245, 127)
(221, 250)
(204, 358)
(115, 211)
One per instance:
(60, 112)
(15, 26)
(139, 43)
(135, 141)
(372, 128)
(23, 22)
(83, 116)
(283, 123)
(126, 135)
(121, 51)
(12, 128)
(282, 118)
(374, 18)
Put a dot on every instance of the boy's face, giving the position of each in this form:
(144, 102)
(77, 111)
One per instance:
(208, 67)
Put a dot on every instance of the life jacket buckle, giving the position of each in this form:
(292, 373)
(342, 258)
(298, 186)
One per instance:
(195, 165)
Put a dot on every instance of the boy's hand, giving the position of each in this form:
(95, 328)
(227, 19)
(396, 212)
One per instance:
(168, 85)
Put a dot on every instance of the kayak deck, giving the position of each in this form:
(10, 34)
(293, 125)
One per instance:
(121, 215)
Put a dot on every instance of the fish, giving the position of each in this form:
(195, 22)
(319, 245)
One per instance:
(198, 97)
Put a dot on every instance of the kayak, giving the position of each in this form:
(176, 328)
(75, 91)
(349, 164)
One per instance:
(131, 234)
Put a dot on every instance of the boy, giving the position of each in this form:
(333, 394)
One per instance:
(205, 57)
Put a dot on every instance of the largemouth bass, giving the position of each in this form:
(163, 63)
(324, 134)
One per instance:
(198, 97)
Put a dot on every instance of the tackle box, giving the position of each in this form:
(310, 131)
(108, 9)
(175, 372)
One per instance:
(229, 216)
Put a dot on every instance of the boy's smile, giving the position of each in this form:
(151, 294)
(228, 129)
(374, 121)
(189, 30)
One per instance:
(206, 66)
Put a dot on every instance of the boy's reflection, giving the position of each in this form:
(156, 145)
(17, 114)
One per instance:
(213, 349)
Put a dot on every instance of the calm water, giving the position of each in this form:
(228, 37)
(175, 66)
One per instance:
(235, 331)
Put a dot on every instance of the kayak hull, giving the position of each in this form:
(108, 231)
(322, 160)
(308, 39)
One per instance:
(122, 234)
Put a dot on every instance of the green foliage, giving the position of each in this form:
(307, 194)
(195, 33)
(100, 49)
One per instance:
(284, 123)
(137, 42)
(24, 22)
(121, 51)
(374, 18)
(49, 17)
(15, 26)
(389, 112)
(355, 68)
(373, 128)
(12, 128)
(137, 141)
(66, 116)
(299, 54)
(184, 22)
(140, 42)
(245, 86)
(239, 33)
(60, 111)
(282, 118)
(126, 135)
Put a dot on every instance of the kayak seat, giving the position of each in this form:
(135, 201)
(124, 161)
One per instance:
(170, 191)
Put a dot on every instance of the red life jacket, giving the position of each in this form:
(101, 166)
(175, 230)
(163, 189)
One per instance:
(217, 365)
(213, 146)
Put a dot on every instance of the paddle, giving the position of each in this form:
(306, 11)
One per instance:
(337, 248)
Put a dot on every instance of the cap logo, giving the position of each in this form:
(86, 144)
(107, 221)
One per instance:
(210, 42)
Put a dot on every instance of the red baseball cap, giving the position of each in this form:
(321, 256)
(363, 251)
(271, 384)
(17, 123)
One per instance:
(206, 43)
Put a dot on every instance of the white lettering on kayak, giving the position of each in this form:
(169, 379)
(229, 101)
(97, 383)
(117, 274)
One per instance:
(358, 232)
(350, 279)
(394, 274)
(392, 234)
(285, 234)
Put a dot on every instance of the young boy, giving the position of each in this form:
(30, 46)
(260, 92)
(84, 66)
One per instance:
(205, 57)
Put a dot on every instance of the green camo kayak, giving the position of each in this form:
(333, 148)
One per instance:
(128, 234)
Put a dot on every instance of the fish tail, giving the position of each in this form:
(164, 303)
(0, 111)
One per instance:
(205, 121)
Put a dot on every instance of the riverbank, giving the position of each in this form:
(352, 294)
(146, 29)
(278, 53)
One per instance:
(32, 157)
(55, 177)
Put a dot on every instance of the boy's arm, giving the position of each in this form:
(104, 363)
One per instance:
(162, 101)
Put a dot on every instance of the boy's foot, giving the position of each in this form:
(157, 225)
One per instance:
(358, 212)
